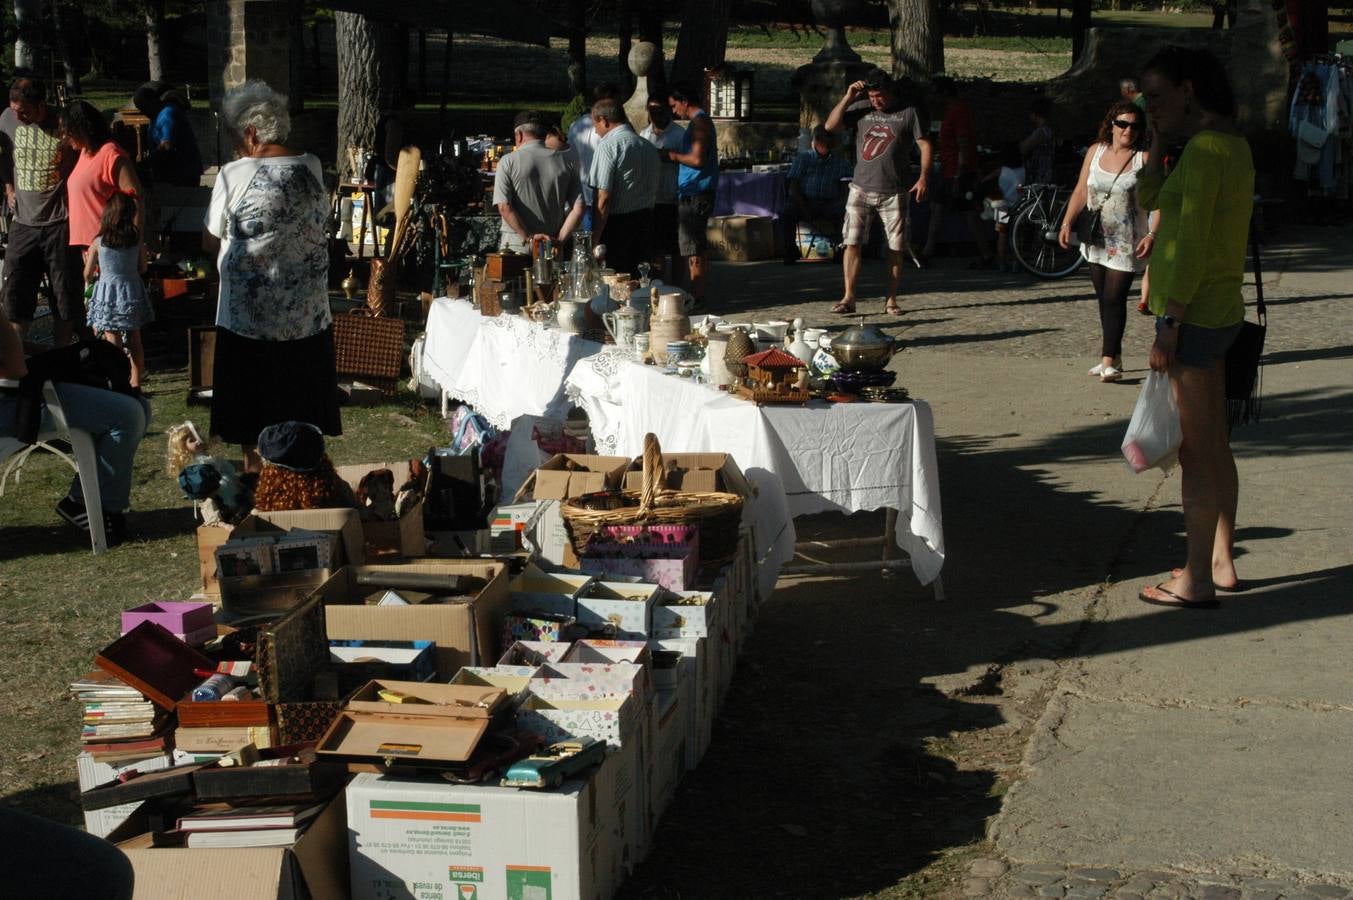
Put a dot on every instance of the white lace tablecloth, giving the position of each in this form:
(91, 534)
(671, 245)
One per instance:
(844, 456)
(502, 366)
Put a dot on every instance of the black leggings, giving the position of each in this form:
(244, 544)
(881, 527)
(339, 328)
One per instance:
(1111, 287)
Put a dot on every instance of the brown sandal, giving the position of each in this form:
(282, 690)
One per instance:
(844, 308)
(892, 309)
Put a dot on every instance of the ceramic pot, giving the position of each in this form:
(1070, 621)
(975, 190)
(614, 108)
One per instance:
(572, 316)
(622, 325)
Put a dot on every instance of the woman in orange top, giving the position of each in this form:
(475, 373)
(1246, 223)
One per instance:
(102, 169)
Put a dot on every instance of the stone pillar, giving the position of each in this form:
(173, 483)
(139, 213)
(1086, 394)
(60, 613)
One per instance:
(821, 85)
(248, 39)
(640, 62)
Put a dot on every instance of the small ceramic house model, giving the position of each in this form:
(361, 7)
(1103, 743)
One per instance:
(773, 370)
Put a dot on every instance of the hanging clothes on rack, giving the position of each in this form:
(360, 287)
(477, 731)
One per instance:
(1315, 120)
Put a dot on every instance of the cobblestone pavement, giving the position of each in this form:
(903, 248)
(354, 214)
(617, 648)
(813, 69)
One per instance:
(989, 877)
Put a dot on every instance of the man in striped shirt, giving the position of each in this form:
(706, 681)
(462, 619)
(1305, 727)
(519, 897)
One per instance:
(624, 176)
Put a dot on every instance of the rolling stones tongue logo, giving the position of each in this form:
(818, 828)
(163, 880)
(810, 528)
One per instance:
(877, 140)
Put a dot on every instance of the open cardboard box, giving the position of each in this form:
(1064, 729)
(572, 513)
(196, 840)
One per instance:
(313, 868)
(694, 472)
(402, 537)
(248, 594)
(567, 475)
(465, 631)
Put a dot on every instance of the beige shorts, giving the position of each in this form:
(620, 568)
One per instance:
(892, 212)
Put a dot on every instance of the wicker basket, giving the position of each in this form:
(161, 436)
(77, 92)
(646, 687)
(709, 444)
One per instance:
(717, 514)
(369, 349)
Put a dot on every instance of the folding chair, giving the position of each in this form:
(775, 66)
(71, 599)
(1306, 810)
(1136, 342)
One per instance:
(13, 455)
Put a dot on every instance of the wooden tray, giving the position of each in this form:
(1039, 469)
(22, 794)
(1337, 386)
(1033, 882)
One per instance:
(762, 397)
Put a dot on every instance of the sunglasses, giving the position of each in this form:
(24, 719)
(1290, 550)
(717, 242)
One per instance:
(1125, 124)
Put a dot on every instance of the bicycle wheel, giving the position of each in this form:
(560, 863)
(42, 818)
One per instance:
(1033, 236)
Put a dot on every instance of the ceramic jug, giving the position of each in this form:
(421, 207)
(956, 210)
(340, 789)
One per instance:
(622, 325)
(572, 316)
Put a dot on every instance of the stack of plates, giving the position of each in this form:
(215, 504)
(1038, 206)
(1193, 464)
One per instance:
(885, 394)
(854, 382)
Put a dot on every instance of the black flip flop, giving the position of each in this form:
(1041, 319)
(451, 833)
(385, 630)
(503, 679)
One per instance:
(1210, 603)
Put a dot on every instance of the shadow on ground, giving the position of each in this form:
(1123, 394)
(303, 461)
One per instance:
(830, 773)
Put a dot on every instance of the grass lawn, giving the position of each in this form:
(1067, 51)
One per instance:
(59, 604)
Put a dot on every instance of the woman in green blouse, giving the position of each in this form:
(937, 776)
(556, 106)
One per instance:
(1196, 272)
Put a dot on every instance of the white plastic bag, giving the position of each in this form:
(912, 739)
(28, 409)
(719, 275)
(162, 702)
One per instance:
(1153, 436)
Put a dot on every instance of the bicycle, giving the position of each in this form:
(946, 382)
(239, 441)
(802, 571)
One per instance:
(1033, 232)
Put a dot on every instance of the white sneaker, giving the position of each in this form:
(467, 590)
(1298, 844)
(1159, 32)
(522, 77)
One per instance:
(1096, 370)
(1110, 373)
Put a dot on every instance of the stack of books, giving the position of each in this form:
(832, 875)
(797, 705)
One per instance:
(220, 825)
(120, 723)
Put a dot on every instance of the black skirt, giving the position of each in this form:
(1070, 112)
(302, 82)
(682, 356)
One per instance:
(260, 383)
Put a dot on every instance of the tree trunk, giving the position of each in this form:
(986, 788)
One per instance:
(367, 73)
(626, 79)
(918, 39)
(28, 43)
(650, 29)
(154, 31)
(1080, 26)
(702, 40)
(577, 47)
(296, 50)
(68, 63)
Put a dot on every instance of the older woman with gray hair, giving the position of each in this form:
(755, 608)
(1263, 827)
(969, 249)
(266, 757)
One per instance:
(274, 335)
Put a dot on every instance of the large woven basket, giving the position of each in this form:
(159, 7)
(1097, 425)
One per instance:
(717, 514)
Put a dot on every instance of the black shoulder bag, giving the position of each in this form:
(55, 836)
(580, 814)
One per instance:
(1090, 222)
(1244, 376)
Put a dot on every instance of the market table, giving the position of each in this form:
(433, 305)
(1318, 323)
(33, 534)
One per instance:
(845, 457)
(750, 194)
(503, 366)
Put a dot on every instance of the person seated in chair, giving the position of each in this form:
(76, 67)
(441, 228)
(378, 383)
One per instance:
(116, 421)
(817, 193)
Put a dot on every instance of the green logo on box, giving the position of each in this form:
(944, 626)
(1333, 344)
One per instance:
(466, 873)
(528, 883)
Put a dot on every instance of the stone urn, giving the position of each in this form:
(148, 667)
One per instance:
(641, 59)
(833, 15)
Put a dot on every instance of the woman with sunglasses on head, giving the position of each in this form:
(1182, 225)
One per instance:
(1108, 184)
(1205, 204)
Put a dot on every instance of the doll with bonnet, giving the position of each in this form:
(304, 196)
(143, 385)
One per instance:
(211, 482)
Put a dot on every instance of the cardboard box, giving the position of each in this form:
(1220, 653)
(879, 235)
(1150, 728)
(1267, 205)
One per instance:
(315, 866)
(90, 773)
(190, 622)
(358, 661)
(694, 679)
(533, 653)
(429, 840)
(694, 472)
(252, 594)
(583, 681)
(567, 475)
(741, 238)
(465, 632)
(460, 544)
(669, 756)
(615, 720)
(694, 615)
(512, 679)
(209, 537)
(382, 540)
(626, 606)
(538, 627)
(535, 590)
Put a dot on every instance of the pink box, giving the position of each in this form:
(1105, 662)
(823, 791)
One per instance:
(667, 555)
(189, 621)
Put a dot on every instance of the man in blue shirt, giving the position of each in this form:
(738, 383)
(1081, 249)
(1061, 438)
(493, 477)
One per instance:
(174, 152)
(697, 180)
(817, 193)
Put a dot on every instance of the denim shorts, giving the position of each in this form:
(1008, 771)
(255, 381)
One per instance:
(1199, 347)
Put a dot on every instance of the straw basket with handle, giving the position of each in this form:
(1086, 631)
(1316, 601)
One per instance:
(717, 514)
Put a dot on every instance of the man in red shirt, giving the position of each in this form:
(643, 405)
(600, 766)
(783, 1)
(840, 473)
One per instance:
(957, 189)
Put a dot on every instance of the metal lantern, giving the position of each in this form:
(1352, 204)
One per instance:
(728, 92)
